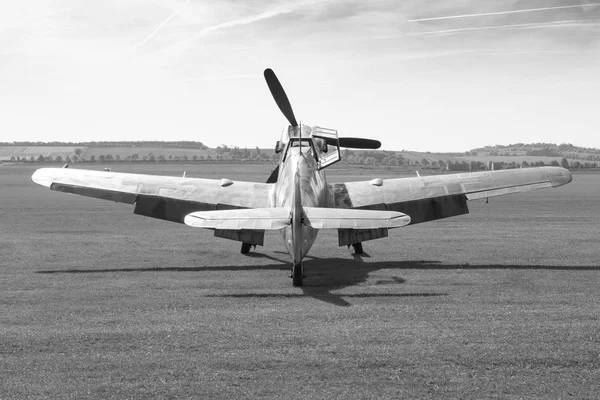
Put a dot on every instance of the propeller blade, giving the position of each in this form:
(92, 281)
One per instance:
(357, 143)
(274, 175)
(279, 95)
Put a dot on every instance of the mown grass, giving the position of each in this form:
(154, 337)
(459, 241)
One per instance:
(100, 303)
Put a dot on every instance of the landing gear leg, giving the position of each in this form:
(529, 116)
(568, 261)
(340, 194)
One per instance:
(297, 274)
(358, 248)
(246, 248)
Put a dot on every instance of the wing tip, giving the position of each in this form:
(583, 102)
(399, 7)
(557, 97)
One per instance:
(400, 220)
(193, 220)
(43, 177)
(559, 176)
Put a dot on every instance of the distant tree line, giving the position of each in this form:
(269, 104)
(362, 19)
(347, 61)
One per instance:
(225, 152)
(108, 158)
(77, 157)
(566, 150)
(158, 144)
(360, 157)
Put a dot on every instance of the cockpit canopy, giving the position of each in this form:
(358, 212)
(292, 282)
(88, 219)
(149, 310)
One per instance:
(304, 131)
(321, 143)
(297, 142)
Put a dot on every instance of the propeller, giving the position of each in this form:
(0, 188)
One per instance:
(358, 143)
(279, 95)
(286, 108)
(274, 175)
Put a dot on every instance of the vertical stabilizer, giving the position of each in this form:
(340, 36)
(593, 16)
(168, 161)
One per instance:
(297, 219)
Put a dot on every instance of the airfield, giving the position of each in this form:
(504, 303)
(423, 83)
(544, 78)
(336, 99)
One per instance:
(100, 303)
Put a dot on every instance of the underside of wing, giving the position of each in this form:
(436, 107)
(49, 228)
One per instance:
(164, 197)
(440, 196)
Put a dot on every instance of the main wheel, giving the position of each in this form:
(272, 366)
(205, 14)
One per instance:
(297, 275)
(358, 248)
(245, 248)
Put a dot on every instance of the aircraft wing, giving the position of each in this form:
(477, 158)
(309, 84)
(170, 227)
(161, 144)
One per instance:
(439, 196)
(165, 197)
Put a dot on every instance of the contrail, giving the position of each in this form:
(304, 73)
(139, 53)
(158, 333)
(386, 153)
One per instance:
(417, 56)
(241, 21)
(150, 36)
(503, 12)
(228, 24)
(553, 24)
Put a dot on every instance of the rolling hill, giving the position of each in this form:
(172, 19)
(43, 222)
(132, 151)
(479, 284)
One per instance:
(509, 156)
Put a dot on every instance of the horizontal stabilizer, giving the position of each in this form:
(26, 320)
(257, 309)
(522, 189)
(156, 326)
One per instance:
(280, 217)
(252, 218)
(343, 218)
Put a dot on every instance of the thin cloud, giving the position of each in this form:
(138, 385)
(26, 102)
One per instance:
(158, 28)
(511, 53)
(503, 12)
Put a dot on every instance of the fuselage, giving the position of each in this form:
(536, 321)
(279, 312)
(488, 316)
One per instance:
(300, 184)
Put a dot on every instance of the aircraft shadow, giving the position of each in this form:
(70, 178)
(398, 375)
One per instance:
(335, 299)
(167, 269)
(324, 276)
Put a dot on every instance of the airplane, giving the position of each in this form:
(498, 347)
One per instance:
(296, 200)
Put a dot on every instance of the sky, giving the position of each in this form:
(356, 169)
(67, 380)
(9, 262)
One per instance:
(421, 75)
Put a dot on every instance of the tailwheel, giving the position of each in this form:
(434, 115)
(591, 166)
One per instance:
(297, 274)
(358, 248)
(246, 248)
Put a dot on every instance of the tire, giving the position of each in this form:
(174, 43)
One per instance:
(358, 249)
(297, 275)
(245, 248)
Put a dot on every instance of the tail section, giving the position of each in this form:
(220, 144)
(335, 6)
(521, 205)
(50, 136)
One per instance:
(282, 217)
(343, 218)
(254, 218)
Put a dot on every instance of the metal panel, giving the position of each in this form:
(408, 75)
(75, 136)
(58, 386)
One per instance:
(103, 194)
(440, 196)
(108, 185)
(331, 138)
(255, 237)
(431, 209)
(168, 209)
(508, 190)
(347, 237)
(251, 219)
(337, 218)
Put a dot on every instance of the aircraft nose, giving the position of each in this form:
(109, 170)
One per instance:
(559, 176)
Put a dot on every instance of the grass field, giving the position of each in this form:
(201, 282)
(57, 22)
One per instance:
(100, 303)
